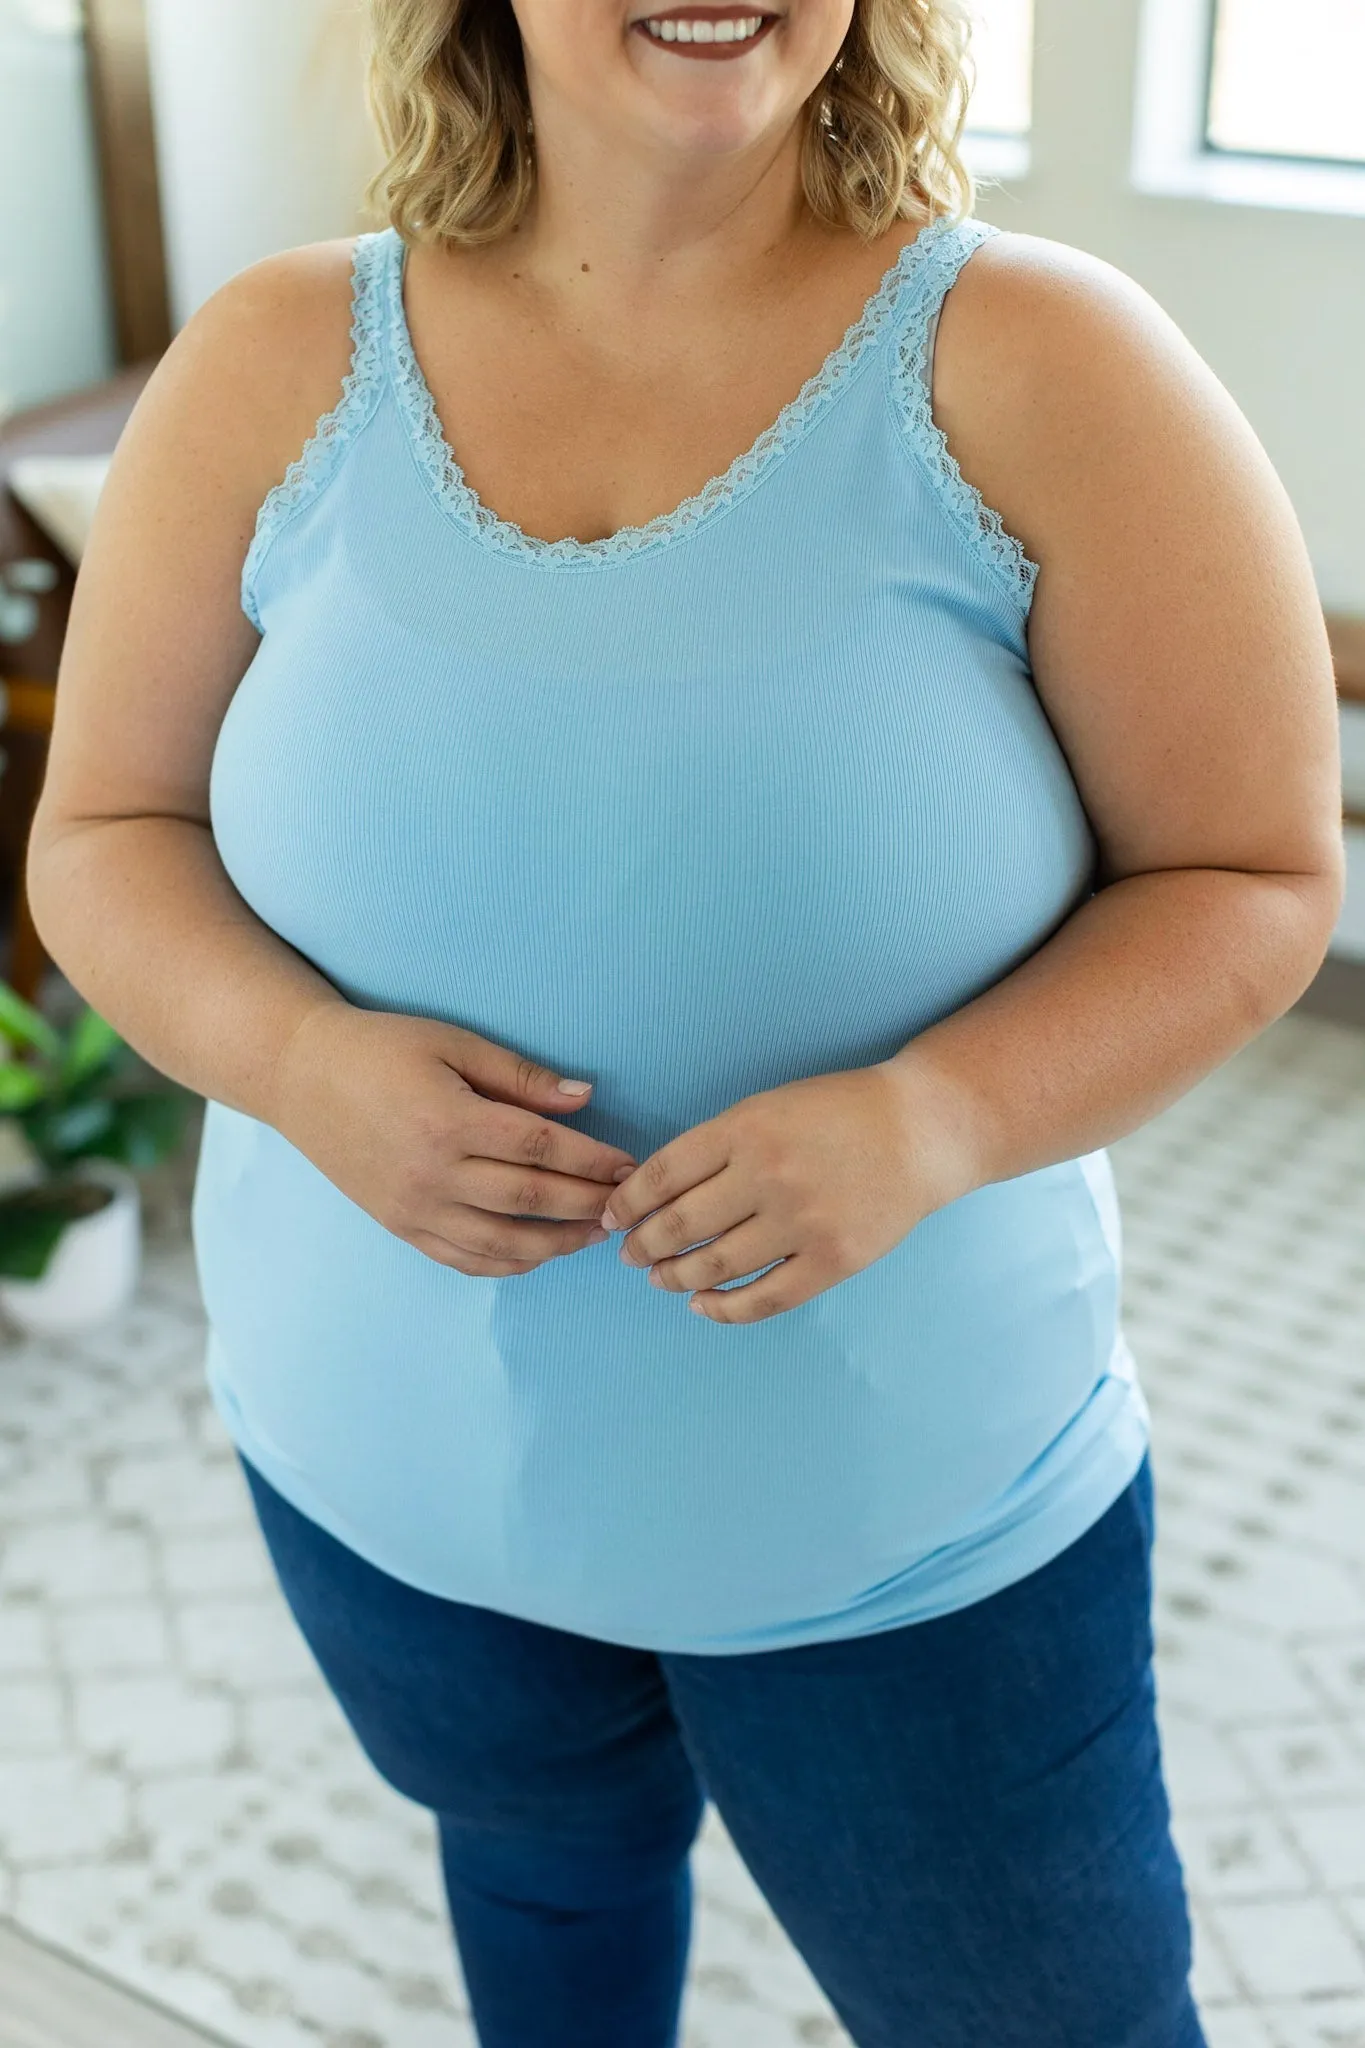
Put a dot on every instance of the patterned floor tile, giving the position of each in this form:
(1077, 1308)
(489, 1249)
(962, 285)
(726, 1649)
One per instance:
(1290, 1948)
(1238, 2026)
(1323, 2023)
(182, 1805)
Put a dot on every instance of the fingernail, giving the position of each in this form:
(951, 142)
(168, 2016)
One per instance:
(596, 1236)
(654, 1279)
(623, 1173)
(574, 1087)
(695, 1304)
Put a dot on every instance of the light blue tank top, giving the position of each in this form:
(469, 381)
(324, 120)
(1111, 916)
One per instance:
(756, 791)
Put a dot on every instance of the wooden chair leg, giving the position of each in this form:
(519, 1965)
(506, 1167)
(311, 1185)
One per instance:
(29, 707)
(27, 960)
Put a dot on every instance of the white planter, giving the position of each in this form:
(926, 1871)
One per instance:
(93, 1273)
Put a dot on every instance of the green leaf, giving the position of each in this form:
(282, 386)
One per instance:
(149, 1127)
(23, 1025)
(121, 1065)
(71, 1130)
(20, 1086)
(91, 1044)
(32, 1222)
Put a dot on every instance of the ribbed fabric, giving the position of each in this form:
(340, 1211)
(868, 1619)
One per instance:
(755, 792)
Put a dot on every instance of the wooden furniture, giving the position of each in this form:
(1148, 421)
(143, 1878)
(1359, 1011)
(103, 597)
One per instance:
(85, 423)
(88, 423)
(121, 102)
(1347, 637)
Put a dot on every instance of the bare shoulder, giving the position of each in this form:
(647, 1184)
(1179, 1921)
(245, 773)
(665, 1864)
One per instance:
(1033, 306)
(286, 317)
(157, 640)
(245, 380)
(1176, 636)
(229, 405)
(1043, 280)
(1064, 388)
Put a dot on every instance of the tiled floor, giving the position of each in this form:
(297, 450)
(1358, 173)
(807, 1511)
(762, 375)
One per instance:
(181, 1804)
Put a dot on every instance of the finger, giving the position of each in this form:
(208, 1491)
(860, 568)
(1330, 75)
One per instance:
(530, 1191)
(498, 1130)
(694, 1155)
(728, 1257)
(769, 1295)
(446, 1254)
(491, 1236)
(701, 1212)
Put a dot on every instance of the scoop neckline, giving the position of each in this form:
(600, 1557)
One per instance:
(466, 508)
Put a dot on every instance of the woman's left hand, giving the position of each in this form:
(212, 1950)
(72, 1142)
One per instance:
(825, 1174)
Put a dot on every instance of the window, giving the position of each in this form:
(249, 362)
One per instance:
(1002, 48)
(1287, 79)
(1252, 103)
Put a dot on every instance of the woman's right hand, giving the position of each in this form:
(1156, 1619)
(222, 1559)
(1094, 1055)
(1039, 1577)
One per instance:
(443, 1137)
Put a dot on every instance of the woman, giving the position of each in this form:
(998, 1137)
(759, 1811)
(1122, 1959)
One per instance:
(880, 821)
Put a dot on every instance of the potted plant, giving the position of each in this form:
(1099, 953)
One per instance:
(80, 1113)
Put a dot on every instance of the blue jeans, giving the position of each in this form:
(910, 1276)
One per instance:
(961, 1824)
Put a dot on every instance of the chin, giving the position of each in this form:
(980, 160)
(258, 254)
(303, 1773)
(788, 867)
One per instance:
(706, 131)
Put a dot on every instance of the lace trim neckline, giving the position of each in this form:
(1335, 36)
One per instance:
(311, 470)
(981, 524)
(469, 511)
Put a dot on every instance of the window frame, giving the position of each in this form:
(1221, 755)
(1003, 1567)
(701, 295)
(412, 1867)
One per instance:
(1171, 156)
(1270, 156)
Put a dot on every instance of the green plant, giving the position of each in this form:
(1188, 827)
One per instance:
(81, 1093)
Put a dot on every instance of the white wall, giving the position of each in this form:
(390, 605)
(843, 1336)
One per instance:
(55, 324)
(262, 137)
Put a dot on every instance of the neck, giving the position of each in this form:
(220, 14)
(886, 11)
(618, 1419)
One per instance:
(643, 227)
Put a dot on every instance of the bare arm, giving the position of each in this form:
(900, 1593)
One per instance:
(1179, 650)
(128, 893)
(440, 1135)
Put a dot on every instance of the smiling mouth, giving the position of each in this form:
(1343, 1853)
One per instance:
(706, 32)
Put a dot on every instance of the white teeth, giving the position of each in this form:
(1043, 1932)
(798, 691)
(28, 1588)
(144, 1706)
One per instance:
(728, 31)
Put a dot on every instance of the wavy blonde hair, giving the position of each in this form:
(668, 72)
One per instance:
(447, 88)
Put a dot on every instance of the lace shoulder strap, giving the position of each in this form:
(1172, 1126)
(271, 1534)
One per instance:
(980, 523)
(322, 452)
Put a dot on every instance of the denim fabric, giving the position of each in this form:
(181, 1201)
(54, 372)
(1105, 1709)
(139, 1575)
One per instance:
(961, 1823)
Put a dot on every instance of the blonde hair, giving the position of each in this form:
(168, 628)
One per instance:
(447, 88)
